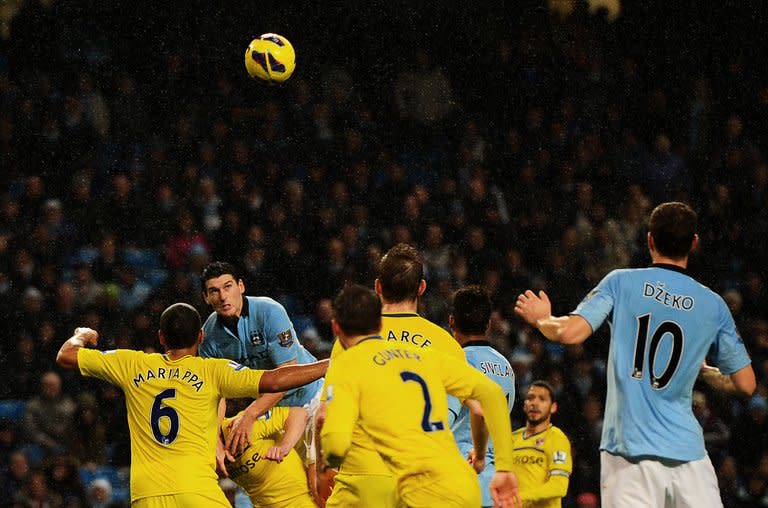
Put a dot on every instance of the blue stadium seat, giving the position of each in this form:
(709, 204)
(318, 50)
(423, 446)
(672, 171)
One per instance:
(13, 409)
(118, 479)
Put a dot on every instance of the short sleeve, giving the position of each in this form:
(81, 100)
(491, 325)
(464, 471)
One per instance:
(110, 366)
(561, 458)
(235, 380)
(342, 411)
(279, 333)
(729, 353)
(598, 304)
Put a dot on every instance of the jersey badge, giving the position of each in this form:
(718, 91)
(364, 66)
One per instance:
(559, 457)
(285, 338)
(540, 442)
(235, 366)
(257, 339)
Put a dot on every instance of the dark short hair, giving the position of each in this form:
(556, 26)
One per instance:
(673, 226)
(400, 273)
(180, 325)
(544, 384)
(357, 310)
(217, 269)
(471, 310)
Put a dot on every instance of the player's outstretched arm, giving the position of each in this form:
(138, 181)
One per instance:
(741, 383)
(536, 310)
(286, 378)
(67, 356)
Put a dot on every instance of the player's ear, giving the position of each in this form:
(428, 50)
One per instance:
(335, 328)
(695, 243)
(241, 285)
(377, 286)
(553, 408)
(422, 287)
(200, 336)
(451, 322)
(161, 338)
(651, 244)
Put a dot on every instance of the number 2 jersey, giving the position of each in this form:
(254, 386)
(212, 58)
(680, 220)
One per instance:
(663, 325)
(172, 414)
(396, 393)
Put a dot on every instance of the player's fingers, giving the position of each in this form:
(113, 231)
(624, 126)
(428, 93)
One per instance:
(530, 294)
(544, 296)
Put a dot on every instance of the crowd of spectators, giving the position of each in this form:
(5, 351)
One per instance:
(532, 165)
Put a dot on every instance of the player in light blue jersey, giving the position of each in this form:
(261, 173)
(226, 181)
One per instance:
(664, 325)
(469, 320)
(255, 332)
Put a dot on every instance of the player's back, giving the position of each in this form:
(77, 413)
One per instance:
(409, 327)
(172, 414)
(664, 324)
(403, 406)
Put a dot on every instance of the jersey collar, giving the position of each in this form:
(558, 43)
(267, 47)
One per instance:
(399, 314)
(667, 266)
(476, 343)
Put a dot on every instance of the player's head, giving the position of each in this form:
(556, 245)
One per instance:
(401, 275)
(539, 403)
(356, 312)
(470, 311)
(180, 326)
(223, 288)
(672, 230)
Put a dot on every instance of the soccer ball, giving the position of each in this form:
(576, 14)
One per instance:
(270, 58)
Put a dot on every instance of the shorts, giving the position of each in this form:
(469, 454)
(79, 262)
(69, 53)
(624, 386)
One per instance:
(364, 490)
(306, 447)
(183, 500)
(458, 489)
(649, 483)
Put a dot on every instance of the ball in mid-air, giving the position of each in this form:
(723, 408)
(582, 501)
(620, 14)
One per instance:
(271, 58)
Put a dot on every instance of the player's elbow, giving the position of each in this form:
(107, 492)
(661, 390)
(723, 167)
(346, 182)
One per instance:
(66, 359)
(744, 382)
(335, 446)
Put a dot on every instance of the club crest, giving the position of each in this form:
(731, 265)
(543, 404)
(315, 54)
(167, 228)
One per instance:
(257, 339)
(285, 338)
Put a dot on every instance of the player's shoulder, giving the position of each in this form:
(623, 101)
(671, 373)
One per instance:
(518, 433)
(264, 303)
(558, 433)
(210, 323)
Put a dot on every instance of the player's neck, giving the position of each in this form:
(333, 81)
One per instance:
(353, 341)
(405, 306)
(465, 339)
(531, 430)
(658, 259)
(175, 354)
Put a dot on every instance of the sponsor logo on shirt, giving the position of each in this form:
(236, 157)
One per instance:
(285, 338)
(257, 339)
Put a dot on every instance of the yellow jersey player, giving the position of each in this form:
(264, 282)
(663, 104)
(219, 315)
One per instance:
(542, 453)
(269, 470)
(172, 401)
(363, 478)
(396, 394)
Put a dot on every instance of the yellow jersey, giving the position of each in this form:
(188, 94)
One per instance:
(172, 414)
(396, 395)
(543, 465)
(265, 481)
(362, 457)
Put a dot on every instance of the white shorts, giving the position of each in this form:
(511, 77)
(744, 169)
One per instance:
(654, 484)
(309, 450)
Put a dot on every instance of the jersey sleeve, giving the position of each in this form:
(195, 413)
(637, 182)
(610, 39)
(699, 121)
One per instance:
(560, 464)
(341, 395)
(463, 381)
(234, 380)
(335, 352)
(279, 333)
(113, 366)
(729, 353)
(598, 304)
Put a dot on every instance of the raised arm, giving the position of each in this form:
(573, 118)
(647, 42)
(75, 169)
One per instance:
(294, 430)
(536, 310)
(286, 378)
(67, 356)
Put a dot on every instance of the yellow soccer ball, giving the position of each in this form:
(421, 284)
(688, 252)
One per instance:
(270, 58)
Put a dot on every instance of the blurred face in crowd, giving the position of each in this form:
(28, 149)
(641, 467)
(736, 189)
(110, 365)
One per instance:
(51, 384)
(538, 405)
(225, 295)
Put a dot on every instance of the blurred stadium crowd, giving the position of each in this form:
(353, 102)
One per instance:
(530, 161)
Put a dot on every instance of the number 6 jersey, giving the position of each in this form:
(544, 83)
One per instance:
(172, 414)
(663, 325)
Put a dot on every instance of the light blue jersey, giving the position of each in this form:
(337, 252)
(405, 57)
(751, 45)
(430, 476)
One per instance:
(482, 356)
(265, 339)
(663, 325)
